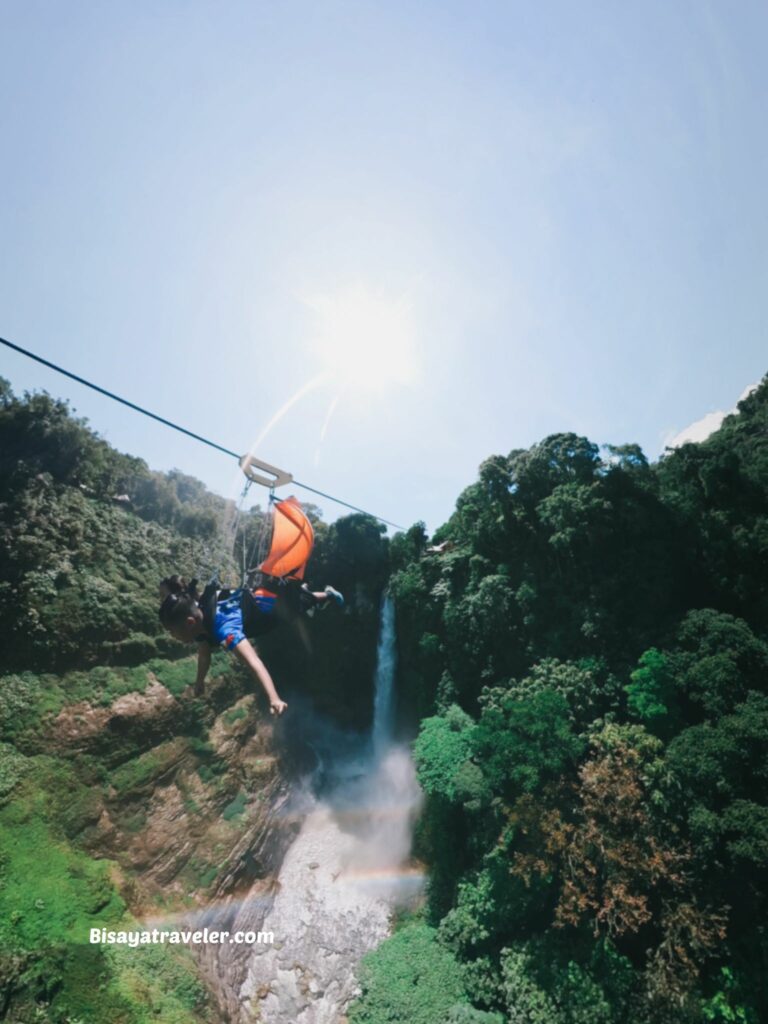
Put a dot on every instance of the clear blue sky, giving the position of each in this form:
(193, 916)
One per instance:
(526, 218)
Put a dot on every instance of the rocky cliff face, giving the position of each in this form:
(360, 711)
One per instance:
(160, 806)
(193, 811)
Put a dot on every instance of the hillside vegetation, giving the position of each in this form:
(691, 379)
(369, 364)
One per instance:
(120, 794)
(588, 660)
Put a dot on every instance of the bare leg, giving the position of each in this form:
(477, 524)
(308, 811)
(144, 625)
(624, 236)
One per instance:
(322, 597)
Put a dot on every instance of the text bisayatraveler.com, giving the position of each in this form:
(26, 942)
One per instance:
(157, 936)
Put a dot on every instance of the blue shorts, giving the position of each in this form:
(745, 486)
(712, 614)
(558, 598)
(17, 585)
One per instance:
(228, 625)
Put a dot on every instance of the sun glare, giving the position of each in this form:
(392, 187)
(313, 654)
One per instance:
(364, 339)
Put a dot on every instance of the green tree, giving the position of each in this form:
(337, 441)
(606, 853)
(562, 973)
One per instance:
(651, 694)
(520, 744)
(411, 979)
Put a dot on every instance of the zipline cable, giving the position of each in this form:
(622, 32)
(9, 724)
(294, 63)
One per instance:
(117, 398)
(175, 426)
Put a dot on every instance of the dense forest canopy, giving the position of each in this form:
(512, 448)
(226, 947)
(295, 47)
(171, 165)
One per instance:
(587, 655)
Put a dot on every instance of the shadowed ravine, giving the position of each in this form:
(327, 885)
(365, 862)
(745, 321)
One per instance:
(342, 876)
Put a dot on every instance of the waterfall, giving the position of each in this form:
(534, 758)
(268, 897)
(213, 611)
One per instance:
(384, 683)
(347, 870)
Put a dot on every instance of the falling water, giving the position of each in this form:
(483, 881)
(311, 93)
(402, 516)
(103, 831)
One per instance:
(386, 658)
(345, 873)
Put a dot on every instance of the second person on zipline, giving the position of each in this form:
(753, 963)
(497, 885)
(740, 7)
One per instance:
(227, 618)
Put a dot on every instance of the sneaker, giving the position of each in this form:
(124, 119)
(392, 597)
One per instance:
(335, 595)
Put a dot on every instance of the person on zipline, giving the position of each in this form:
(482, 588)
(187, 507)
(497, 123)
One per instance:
(227, 618)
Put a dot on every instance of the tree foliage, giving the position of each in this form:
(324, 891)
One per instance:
(588, 656)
